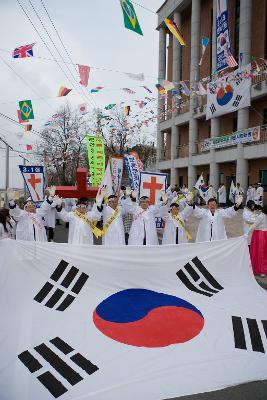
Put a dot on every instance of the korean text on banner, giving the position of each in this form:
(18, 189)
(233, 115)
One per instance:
(133, 170)
(222, 34)
(96, 158)
(34, 180)
(243, 136)
(116, 165)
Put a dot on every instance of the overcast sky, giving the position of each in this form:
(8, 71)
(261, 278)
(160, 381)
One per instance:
(93, 32)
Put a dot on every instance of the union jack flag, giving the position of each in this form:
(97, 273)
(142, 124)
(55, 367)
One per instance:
(229, 58)
(23, 51)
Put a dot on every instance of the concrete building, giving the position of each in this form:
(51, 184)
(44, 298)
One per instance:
(181, 131)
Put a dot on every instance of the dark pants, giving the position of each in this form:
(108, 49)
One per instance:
(126, 238)
(50, 232)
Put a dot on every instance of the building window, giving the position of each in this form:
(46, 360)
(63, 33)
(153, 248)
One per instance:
(263, 179)
(181, 181)
(237, 19)
(221, 178)
(265, 116)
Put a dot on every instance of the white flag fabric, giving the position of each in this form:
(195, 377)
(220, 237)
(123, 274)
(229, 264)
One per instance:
(151, 185)
(34, 179)
(130, 322)
(107, 180)
(228, 94)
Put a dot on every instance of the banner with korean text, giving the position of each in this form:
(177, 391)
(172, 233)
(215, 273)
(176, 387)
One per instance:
(33, 176)
(222, 34)
(133, 170)
(249, 135)
(96, 157)
(116, 166)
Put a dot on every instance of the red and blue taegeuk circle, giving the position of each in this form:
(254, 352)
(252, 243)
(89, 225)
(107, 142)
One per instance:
(224, 95)
(144, 318)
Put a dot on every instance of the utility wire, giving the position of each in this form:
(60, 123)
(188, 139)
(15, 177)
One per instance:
(63, 45)
(58, 52)
(36, 30)
(24, 81)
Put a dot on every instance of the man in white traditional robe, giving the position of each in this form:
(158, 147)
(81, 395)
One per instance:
(249, 218)
(112, 212)
(239, 191)
(211, 226)
(175, 230)
(259, 195)
(222, 195)
(50, 218)
(143, 230)
(82, 224)
(30, 220)
(250, 194)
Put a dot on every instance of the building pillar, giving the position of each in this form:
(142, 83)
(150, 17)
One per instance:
(214, 122)
(176, 77)
(161, 74)
(194, 77)
(243, 114)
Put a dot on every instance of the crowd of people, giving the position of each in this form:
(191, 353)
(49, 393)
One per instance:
(127, 220)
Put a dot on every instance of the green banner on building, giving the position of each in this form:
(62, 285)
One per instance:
(130, 17)
(96, 157)
(26, 110)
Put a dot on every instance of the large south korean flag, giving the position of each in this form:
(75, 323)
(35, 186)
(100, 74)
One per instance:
(99, 323)
(229, 93)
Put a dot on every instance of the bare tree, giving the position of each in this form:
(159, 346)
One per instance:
(63, 146)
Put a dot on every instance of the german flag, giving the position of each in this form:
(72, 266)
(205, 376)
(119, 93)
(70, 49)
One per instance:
(63, 91)
(175, 31)
(27, 128)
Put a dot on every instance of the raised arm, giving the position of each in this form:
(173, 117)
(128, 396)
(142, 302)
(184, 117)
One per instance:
(199, 212)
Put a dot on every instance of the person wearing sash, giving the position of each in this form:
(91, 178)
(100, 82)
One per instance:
(211, 226)
(113, 230)
(30, 220)
(82, 224)
(175, 230)
(143, 230)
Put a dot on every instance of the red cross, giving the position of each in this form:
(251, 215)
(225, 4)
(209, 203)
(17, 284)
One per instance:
(152, 186)
(33, 181)
(80, 190)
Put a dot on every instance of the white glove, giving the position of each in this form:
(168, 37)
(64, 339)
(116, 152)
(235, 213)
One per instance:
(99, 199)
(134, 193)
(128, 191)
(58, 200)
(165, 198)
(52, 191)
(189, 197)
(10, 194)
(239, 201)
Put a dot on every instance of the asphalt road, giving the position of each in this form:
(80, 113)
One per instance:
(249, 391)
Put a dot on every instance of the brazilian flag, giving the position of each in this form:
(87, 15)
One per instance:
(26, 109)
(130, 17)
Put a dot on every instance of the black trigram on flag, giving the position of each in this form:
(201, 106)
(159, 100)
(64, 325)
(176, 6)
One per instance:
(237, 100)
(60, 295)
(66, 369)
(255, 337)
(212, 108)
(198, 279)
